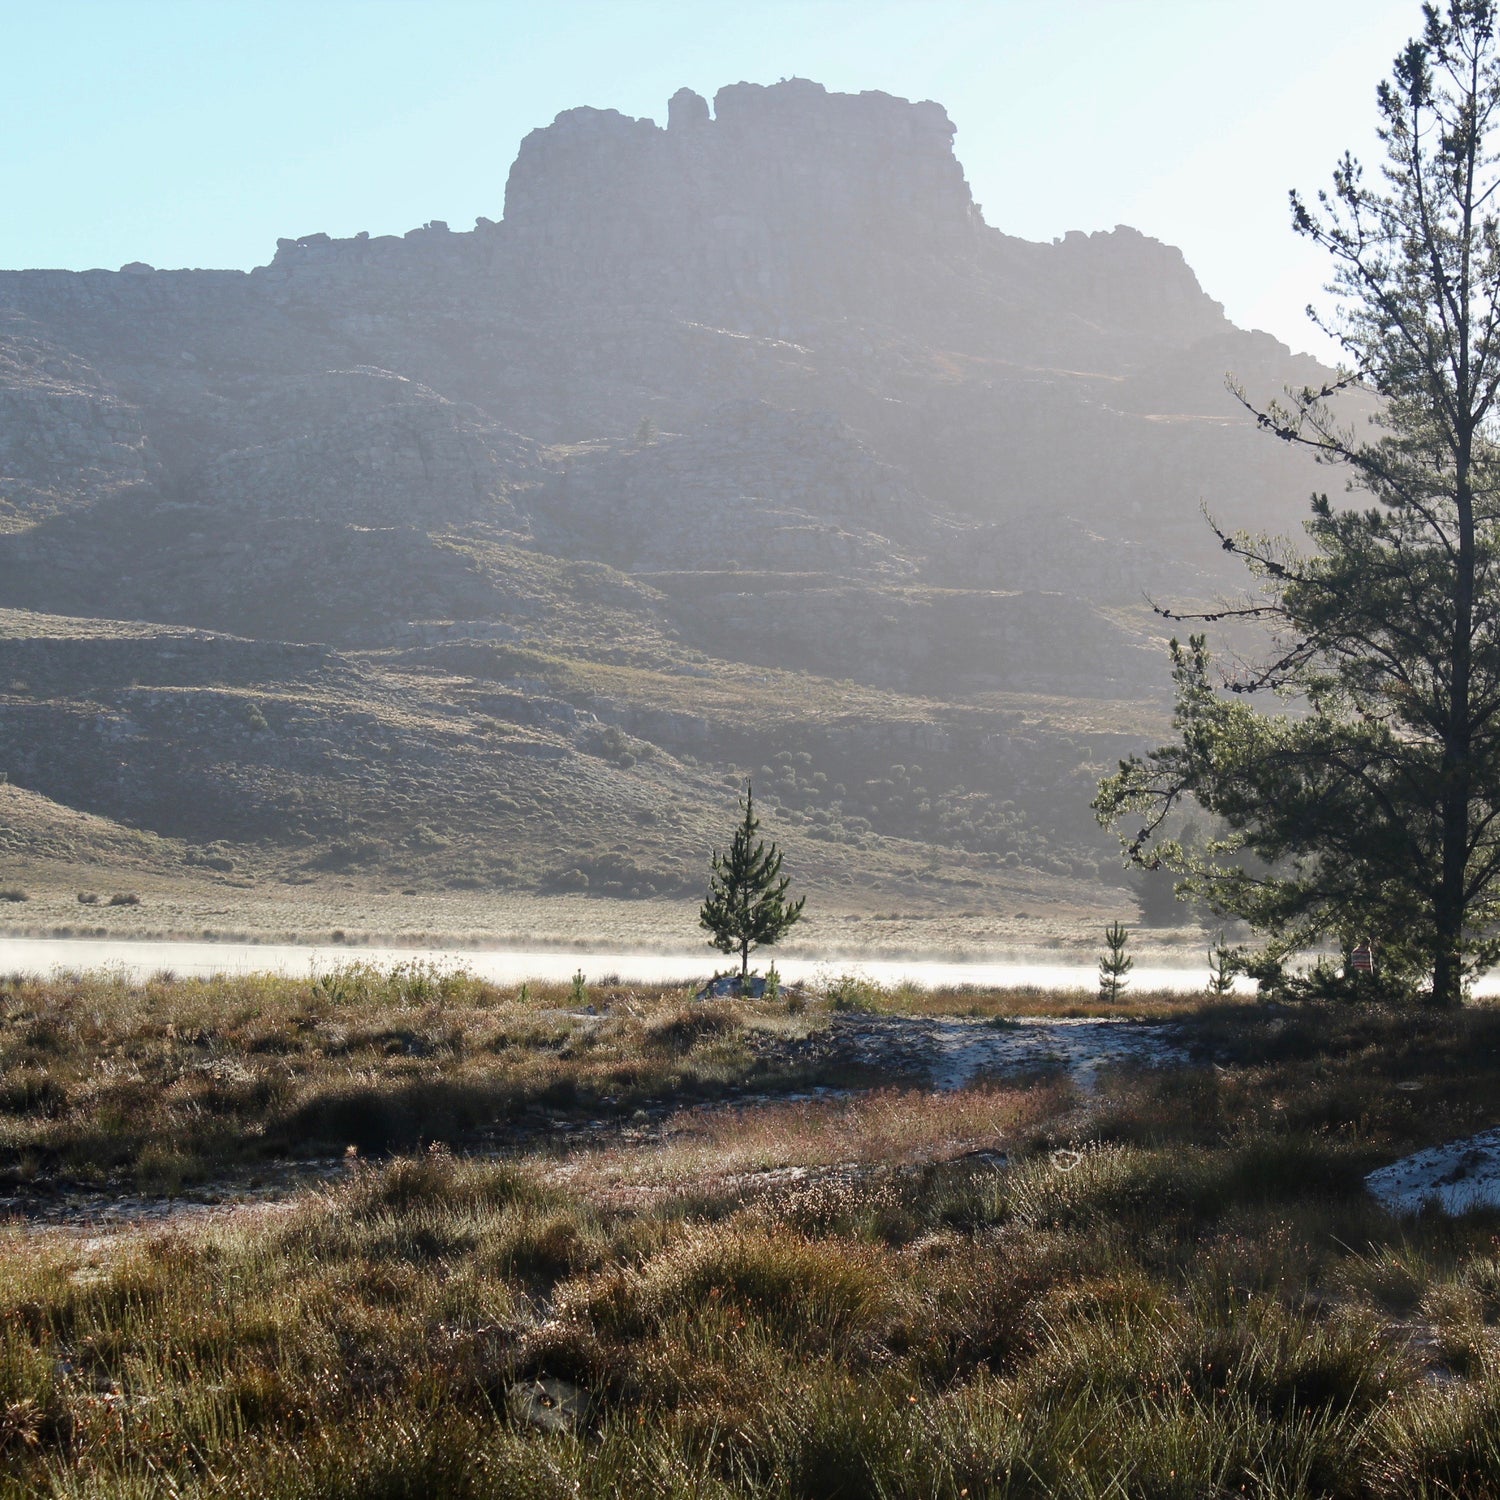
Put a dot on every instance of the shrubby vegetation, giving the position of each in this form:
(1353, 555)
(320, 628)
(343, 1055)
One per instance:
(1179, 1290)
(105, 1081)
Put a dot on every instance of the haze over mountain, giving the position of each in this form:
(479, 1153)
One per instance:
(497, 559)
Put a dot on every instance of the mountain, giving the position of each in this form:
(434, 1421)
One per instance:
(495, 560)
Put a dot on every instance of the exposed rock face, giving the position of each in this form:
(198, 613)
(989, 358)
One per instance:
(750, 486)
(757, 209)
(756, 390)
(373, 449)
(64, 435)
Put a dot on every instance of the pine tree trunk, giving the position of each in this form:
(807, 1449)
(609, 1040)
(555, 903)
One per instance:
(1447, 971)
(1451, 905)
(744, 963)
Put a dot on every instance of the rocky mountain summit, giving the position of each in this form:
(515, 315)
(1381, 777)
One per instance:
(741, 445)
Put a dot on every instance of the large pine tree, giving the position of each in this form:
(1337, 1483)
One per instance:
(746, 905)
(1371, 802)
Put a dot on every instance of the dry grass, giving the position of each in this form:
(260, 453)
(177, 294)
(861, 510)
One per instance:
(175, 1080)
(885, 1129)
(988, 1001)
(1176, 1287)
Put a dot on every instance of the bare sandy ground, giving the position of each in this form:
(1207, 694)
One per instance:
(1454, 1178)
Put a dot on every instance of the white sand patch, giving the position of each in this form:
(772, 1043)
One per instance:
(956, 1052)
(1453, 1178)
(966, 1050)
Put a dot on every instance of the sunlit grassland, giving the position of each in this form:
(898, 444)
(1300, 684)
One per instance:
(1175, 1286)
(171, 1081)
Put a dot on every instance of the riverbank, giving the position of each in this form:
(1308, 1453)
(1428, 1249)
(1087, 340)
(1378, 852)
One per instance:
(138, 959)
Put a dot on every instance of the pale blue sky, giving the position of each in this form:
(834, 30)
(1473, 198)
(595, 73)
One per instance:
(195, 132)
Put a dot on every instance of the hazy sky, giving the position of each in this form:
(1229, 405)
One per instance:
(195, 132)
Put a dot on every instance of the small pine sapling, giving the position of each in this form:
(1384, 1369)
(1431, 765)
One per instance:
(1114, 964)
(746, 906)
(1224, 963)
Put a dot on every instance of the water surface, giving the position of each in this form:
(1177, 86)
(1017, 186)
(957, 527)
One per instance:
(139, 959)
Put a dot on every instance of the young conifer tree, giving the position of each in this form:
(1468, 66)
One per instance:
(1370, 803)
(1114, 963)
(1224, 963)
(747, 904)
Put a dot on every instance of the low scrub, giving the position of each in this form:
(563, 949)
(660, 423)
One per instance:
(1174, 1287)
(104, 1080)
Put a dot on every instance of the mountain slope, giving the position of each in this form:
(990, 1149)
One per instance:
(739, 446)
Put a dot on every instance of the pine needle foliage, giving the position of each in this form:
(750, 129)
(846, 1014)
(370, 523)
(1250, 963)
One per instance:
(747, 904)
(1114, 964)
(1224, 963)
(1369, 802)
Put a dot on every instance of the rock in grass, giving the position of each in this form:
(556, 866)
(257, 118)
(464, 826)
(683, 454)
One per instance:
(1454, 1178)
(547, 1404)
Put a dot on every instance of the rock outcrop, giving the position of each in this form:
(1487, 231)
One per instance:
(751, 214)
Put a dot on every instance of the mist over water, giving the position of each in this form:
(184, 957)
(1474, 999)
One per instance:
(139, 960)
